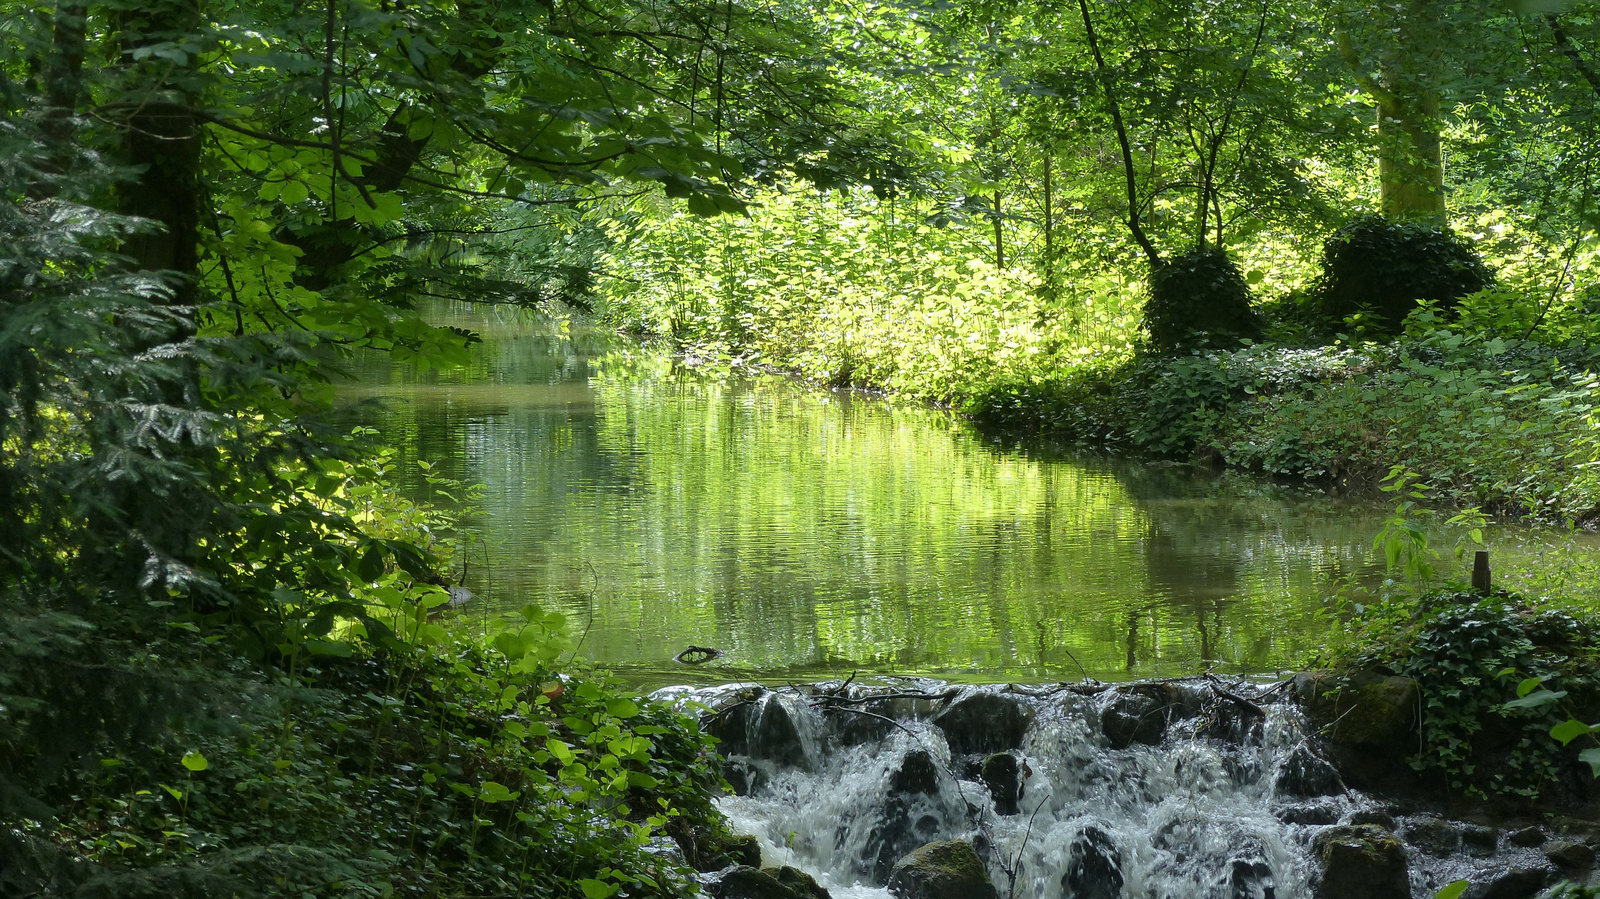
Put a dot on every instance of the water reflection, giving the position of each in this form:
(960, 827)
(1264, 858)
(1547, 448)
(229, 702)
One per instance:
(811, 534)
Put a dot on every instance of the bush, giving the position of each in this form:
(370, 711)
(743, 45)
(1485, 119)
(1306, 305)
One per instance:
(1379, 268)
(1473, 658)
(1199, 299)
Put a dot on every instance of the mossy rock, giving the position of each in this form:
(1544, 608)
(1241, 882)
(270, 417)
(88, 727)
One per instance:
(1361, 861)
(945, 870)
(1366, 709)
(748, 882)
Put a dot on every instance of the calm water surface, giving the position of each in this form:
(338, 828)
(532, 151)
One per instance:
(812, 534)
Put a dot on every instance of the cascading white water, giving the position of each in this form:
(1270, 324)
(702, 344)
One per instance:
(843, 782)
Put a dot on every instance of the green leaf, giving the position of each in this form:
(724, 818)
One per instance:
(370, 568)
(1452, 890)
(1592, 758)
(597, 889)
(294, 192)
(1536, 699)
(1570, 730)
(496, 792)
(622, 708)
(1528, 686)
(194, 761)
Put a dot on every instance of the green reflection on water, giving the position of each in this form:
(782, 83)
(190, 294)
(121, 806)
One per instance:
(811, 534)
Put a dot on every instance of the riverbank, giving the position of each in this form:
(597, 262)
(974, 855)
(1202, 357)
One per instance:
(1477, 410)
(1504, 425)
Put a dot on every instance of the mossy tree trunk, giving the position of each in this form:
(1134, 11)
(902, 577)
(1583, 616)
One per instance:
(1406, 92)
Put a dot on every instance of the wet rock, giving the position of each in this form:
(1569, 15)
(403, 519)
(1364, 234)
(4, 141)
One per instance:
(1523, 882)
(1309, 813)
(850, 726)
(1094, 866)
(918, 773)
(731, 723)
(900, 827)
(897, 833)
(983, 721)
(742, 776)
(1572, 858)
(1367, 709)
(1372, 814)
(1138, 713)
(944, 870)
(1304, 773)
(1433, 835)
(748, 882)
(801, 884)
(1250, 878)
(1003, 776)
(1231, 719)
(707, 852)
(1527, 837)
(775, 734)
(1480, 840)
(1361, 861)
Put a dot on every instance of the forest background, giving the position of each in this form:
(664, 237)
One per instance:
(221, 671)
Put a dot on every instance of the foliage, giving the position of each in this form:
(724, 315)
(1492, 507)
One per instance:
(826, 287)
(1468, 654)
(1495, 422)
(374, 752)
(1380, 269)
(1199, 299)
(220, 668)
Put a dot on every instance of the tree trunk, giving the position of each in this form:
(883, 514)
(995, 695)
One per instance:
(1410, 155)
(1049, 229)
(161, 138)
(999, 234)
(63, 83)
(1406, 92)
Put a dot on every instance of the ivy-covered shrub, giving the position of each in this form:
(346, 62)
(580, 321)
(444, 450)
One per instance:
(1198, 299)
(1469, 654)
(1379, 269)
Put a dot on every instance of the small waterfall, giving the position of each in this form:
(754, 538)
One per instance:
(1189, 789)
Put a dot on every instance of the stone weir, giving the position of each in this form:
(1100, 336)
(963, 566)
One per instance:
(1183, 789)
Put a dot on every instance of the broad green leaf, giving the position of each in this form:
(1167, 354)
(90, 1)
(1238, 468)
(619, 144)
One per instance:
(1529, 685)
(1592, 758)
(597, 889)
(1537, 699)
(1570, 730)
(194, 761)
(1452, 890)
(370, 568)
(496, 792)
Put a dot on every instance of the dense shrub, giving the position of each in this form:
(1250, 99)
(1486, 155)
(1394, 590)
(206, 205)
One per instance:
(1473, 658)
(1199, 298)
(1380, 269)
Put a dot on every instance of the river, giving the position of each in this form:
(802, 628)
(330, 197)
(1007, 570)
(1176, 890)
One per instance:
(811, 534)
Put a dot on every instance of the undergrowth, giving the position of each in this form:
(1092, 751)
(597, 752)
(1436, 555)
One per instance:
(383, 752)
(1473, 658)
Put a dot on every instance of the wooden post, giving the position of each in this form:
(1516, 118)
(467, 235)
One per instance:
(1480, 572)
